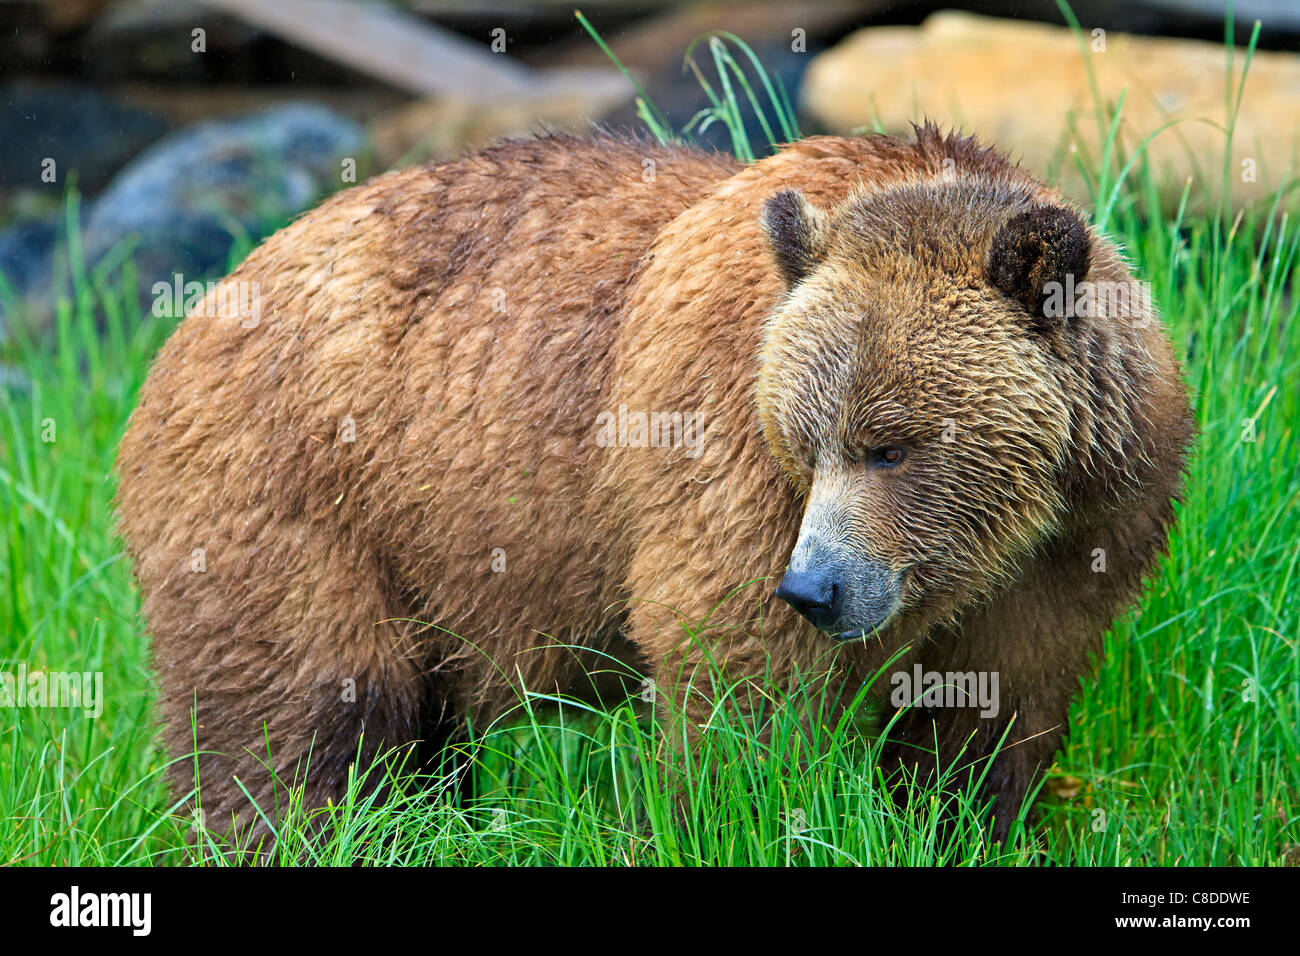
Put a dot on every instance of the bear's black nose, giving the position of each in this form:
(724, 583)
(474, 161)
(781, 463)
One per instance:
(817, 595)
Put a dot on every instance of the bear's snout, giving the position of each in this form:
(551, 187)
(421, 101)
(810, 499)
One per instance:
(817, 594)
(846, 599)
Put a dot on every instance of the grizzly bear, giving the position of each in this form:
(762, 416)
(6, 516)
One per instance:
(483, 425)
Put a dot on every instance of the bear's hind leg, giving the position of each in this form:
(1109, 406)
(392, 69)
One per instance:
(288, 664)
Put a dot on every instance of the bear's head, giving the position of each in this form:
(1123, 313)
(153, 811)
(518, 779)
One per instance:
(909, 386)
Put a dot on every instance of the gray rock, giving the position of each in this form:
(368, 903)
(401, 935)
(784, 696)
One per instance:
(182, 202)
(184, 199)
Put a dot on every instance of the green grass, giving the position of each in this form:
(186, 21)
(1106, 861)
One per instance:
(1185, 750)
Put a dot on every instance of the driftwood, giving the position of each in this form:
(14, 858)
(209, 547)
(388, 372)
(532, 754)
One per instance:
(391, 45)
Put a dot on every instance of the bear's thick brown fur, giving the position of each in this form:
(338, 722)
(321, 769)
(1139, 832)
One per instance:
(410, 430)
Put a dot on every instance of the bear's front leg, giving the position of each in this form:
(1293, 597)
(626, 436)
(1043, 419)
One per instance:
(987, 702)
(719, 653)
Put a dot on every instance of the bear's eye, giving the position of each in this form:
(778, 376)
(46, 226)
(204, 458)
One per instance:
(884, 457)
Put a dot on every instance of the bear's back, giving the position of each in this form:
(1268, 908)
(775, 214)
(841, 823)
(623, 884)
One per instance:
(419, 361)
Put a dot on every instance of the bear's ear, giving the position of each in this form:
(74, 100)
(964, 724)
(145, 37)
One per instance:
(796, 233)
(1039, 253)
